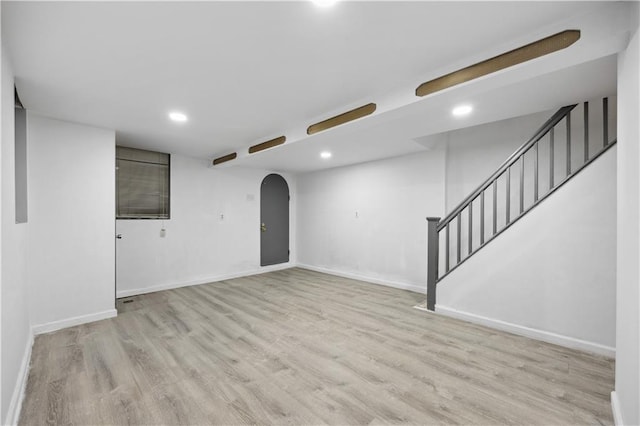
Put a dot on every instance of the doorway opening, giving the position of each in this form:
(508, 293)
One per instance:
(274, 220)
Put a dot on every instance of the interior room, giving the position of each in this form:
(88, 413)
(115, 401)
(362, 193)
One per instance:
(320, 212)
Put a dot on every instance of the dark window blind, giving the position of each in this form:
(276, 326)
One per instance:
(142, 184)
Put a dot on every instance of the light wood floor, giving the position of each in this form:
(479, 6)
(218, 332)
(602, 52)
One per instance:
(299, 347)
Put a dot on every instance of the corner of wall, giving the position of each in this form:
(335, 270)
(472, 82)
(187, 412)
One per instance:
(365, 278)
(71, 322)
(15, 406)
(615, 408)
(73, 282)
(627, 382)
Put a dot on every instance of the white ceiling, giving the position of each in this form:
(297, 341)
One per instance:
(245, 72)
(403, 131)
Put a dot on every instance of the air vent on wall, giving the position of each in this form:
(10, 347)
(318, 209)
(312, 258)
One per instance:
(224, 159)
(522, 54)
(342, 118)
(268, 144)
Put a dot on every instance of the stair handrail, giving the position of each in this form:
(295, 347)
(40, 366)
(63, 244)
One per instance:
(436, 225)
(539, 134)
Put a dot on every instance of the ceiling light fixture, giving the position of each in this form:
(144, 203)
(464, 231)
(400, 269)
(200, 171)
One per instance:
(177, 117)
(462, 110)
(324, 3)
(325, 154)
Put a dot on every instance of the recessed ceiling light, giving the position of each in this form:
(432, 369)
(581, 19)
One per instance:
(177, 116)
(324, 3)
(325, 154)
(462, 110)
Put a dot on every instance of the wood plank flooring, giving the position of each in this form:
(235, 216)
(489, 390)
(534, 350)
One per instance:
(300, 347)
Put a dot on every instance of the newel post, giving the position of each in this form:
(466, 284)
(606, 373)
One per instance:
(432, 261)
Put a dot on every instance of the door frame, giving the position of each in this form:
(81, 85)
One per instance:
(261, 219)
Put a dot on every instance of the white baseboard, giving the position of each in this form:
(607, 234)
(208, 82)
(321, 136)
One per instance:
(15, 405)
(212, 279)
(378, 281)
(545, 336)
(615, 408)
(70, 322)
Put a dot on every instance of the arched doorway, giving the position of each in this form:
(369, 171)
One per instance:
(274, 220)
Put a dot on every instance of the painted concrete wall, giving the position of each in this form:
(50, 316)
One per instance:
(476, 152)
(552, 271)
(15, 331)
(368, 220)
(330, 238)
(626, 399)
(213, 233)
(71, 246)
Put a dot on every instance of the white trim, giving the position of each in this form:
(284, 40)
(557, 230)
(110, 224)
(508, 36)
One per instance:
(70, 322)
(13, 413)
(545, 336)
(615, 408)
(178, 284)
(378, 281)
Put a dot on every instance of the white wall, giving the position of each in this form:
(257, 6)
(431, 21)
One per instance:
(199, 246)
(476, 152)
(386, 241)
(16, 334)
(626, 398)
(71, 246)
(553, 271)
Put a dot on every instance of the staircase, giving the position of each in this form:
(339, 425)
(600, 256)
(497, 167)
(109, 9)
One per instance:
(548, 160)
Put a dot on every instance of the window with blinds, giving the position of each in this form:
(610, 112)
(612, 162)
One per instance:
(142, 184)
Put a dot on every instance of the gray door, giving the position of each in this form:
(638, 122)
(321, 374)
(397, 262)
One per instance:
(274, 220)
